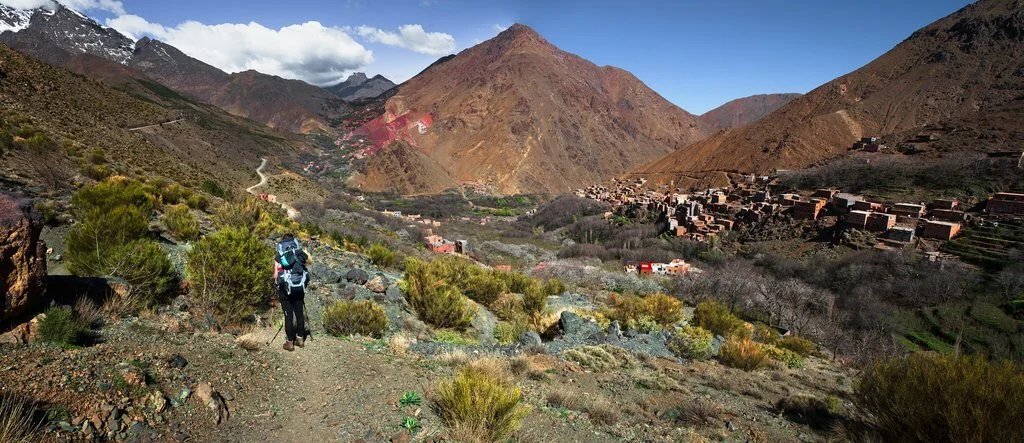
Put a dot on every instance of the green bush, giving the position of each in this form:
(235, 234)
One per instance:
(742, 353)
(554, 286)
(433, 299)
(478, 405)
(107, 195)
(763, 333)
(228, 273)
(348, 317)
(534, 299)
(485, 287)
(62, 328)
(454, 338)
(632, 310)
(181, 223)
(115, 243)
(715, 317)
(787, 357)
(381, 256)
(97, 172)
(799, 345)
(246, 215)
(930, 397)
(507, 333)
(213, 188)
(692, 342)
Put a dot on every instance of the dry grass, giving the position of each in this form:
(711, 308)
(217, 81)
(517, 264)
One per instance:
(120, 304)
(17, 424)
(453, 357)
(89, 312)
(494, 367)
(600, 409)
(249, 342)
(479, 405)
(519, 366)
(398, 344)
(699, 412)
(600, 358)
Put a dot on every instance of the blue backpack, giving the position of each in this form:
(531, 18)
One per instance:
(294, 274)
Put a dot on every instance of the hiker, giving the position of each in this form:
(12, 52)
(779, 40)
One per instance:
(291, 278)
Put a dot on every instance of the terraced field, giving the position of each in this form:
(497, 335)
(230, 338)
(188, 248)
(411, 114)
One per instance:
(988, 246)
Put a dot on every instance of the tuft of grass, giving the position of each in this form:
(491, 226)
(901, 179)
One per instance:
(349, 317)
(593, 358)
(938, 397)
(17, 420)
(698, 412)
(743, 353)
(452, 337)
(507, 333)
(61, 327)
(480, 406)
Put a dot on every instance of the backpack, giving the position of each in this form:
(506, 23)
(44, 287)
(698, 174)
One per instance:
(293, 275)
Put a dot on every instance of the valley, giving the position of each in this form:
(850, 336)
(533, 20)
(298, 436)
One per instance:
(513, 244)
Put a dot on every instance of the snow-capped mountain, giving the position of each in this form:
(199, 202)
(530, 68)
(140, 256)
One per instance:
(67, 29)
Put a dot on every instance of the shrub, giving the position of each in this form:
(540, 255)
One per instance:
(434, 300)
(534, 299)
(228, 273)
(213, 188)
(554, 286)
(799, 345)
(632, 310)
(246, 215)
(715, 317)
(114, 244)
(507, 333)
(594, 358)
(381, 256)
(61, 327)
(349, 317)
(181, 223)
(787, 357)
(108, 195)
(742, 353)
(479, 406)
(699, 412)
(936, 397)
(763, 333)
(17, 420)
(485, 287)
(692, 342)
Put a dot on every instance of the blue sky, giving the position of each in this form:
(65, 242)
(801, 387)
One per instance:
(698, 54)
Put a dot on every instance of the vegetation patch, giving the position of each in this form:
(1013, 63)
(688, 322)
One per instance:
(228, 275)
(61, 327)
(348, 317)
(479, 405)
(692, 342)
(717, 318)
(743, 353)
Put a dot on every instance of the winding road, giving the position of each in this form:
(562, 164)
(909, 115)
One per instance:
(158, 124)
(292, 212)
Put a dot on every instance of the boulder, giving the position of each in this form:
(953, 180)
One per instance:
(393, 294)
(377, 284)
(530, 339)
(357, 276)
(614, 331)
(22, 259)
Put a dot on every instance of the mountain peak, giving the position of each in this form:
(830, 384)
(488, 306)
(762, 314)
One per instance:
(520, 34)
(357, 78)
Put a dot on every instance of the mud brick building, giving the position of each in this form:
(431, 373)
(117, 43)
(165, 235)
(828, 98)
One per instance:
(940, 230)
(1006, 203)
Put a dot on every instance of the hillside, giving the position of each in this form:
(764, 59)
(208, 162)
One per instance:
(960, 76)
(515, 114)
(744, 111)
(357, 86)
(87, 119)
(59, 36)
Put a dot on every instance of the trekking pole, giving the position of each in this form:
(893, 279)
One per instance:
(275, 335)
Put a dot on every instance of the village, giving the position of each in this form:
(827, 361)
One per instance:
(703, 216)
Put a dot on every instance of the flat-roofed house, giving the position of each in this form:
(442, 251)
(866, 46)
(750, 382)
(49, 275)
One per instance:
(1006, 203)
(940, 230)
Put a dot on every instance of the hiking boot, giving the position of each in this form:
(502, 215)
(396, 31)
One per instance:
(288, 346)
(300, 342)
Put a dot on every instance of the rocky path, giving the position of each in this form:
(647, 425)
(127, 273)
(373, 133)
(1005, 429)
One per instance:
(331, 390)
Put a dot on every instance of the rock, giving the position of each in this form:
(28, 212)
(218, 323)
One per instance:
(182, 397)
(716, 344)
(22, 258)
(614, 331)
(20, 335)
(357, 276)
(377, 284)
(574, 325)
(530, 339)
(393, 294)
(140, 432)
(177, 361)
(158, 401)
(213, 400)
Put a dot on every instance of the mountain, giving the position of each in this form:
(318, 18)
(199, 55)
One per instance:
(515, 114)
(960, 78)
(55, 124)
(58, 36)
(744, 111)
(358, 87)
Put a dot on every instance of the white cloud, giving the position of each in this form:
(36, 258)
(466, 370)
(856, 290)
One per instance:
(309, 51)
(112, 6)
(500, 28)
(411, 37)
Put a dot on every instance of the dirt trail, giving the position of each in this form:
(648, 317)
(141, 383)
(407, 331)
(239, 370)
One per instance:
(292, 212)
(331, 390)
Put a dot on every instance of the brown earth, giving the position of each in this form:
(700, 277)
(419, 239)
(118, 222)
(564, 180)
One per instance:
(522, 116)
(961, 76)
(744, 111)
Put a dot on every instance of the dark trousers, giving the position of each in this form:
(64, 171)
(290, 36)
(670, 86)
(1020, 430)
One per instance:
(294, 314)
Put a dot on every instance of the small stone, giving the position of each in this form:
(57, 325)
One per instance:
(77, 420)
(357, 276)
(377, 284)
(178, 362)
